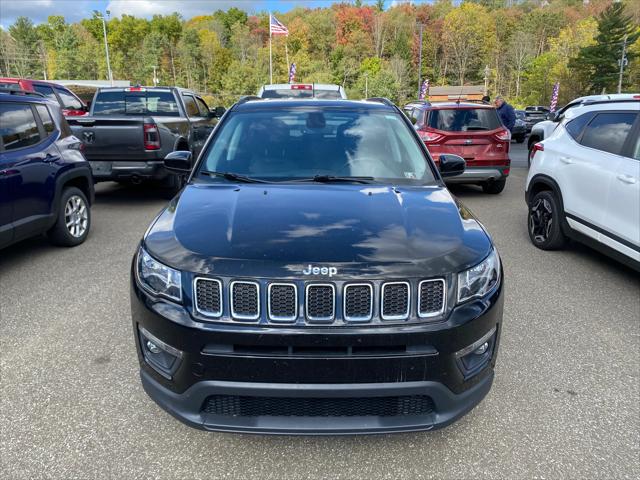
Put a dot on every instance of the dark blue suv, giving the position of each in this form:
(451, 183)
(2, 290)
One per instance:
(45, 182)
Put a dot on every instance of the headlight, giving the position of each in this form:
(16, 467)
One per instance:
(158, 278)
(478, 280)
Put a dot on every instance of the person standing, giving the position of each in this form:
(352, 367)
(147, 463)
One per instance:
(506, 113)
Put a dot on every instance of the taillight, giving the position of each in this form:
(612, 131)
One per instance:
(301, 87)
(504, 135)
(430, 137)
(151, 136)
(537, 147)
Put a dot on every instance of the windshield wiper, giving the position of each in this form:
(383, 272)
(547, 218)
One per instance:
(335, 179)
(234, 177)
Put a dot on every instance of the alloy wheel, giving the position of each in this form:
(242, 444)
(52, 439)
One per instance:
(540, 220)
(76, 216)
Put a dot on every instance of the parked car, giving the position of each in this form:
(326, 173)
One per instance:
(302, 90)
(45, 182)
(471, 130)
(584, 181)
(542, 130)
(130, 130)
(315, 276)
(519, 132)
(534, 114)
(69, 102)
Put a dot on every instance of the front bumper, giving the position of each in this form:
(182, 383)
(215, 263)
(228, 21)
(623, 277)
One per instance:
(235, 362)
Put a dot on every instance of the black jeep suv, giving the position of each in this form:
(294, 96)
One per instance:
(315, 276)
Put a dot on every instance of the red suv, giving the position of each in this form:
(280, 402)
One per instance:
(70, 104)
(470, 130)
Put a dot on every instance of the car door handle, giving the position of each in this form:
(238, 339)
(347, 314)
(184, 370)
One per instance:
(627, 179)
(567, 160)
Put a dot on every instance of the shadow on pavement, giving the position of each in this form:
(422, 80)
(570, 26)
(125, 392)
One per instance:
(111, 193)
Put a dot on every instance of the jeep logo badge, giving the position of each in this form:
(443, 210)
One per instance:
(311, 270)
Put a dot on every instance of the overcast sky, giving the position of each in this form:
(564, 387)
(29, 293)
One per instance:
(74, 10)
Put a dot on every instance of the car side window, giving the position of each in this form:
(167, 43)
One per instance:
(190, 106)
(18, 126)
(46, 91)
(575, 126)
(47, 121)
(68, 100)
(204, 109)
(608, 131)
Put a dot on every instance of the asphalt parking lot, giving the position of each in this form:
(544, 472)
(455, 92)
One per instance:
(564, 403)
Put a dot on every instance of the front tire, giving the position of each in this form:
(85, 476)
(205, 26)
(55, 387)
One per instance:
(172, 185)
(494, 187)
(74, 219)
(544, 221)
(520, 138)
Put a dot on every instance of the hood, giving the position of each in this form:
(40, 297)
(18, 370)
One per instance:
(278, 229)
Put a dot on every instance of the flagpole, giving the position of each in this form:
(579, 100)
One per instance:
(286, 52)
(270, 58)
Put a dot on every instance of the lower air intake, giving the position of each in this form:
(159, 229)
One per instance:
(237, 406)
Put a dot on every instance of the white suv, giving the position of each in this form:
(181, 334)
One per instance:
(584, 181)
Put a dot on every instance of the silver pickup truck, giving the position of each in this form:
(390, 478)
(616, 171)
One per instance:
(129, 131)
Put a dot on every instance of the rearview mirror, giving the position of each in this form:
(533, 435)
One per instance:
(451, 165)
(178, 162)
(553, 116)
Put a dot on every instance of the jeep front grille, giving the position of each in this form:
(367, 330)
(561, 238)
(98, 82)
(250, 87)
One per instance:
(245, 300)
(208, 296)
(395, 303)
(283, 302)
(297, 302)
(431, 295)
(321, 302)
(358, 302)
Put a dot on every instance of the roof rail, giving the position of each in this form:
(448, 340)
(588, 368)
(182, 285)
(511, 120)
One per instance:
(386, 101)
(19, 91)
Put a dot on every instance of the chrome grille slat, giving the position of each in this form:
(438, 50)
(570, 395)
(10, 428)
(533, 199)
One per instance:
(245, 300)
(208, 296)
(358, 302)
(431, 298)
(283, 302)
(395, 301)
(320, 302)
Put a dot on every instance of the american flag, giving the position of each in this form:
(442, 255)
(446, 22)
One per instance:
(424, 89)
(292, 73)
(276, 28)
(554, 97)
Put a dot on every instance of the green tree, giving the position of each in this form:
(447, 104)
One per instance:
(599, 62)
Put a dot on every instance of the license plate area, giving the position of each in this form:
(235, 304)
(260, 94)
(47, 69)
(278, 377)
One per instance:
(101, 168)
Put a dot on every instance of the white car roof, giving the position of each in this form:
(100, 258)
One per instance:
(597, 107)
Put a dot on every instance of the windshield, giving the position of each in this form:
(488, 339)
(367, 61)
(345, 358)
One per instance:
(301, 143)
(464, 119)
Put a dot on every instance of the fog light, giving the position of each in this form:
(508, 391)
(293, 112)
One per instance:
(473, 358)
(482, 348)
(163, 358)
(152, 347)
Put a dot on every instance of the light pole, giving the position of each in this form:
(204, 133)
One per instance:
(106, 46)
(155, 77)
(366, 84)
(420, 63)
(486, 80)
(622, 62)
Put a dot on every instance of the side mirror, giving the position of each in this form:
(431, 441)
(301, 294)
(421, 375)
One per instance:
(219, 111)
(178, 162)
(451, 165)
(553, 116)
